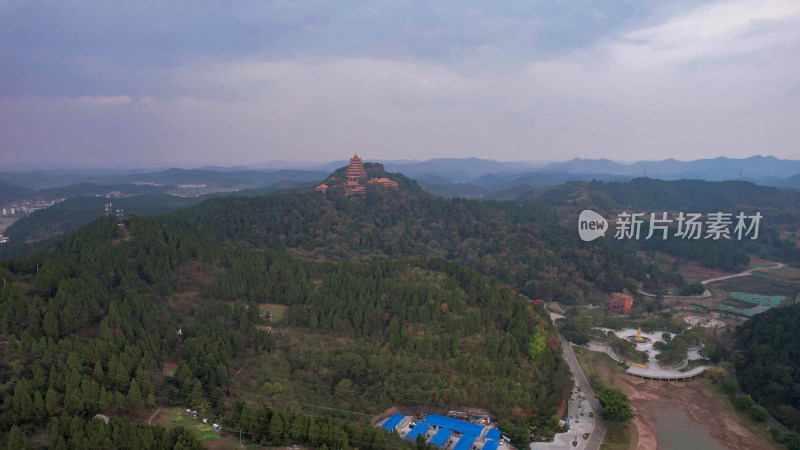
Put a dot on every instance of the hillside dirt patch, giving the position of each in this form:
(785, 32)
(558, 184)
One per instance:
(274, 309)
(169, 368)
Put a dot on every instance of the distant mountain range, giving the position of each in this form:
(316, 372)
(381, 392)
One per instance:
(450, 177)
(481, 178)
(722, 168)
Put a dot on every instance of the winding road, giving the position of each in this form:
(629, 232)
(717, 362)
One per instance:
(741, 274)
(708, 293)
(599, 432)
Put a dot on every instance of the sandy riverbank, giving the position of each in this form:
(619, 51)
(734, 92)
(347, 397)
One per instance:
(648, 398)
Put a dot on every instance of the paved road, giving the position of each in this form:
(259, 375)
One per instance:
(596, 438)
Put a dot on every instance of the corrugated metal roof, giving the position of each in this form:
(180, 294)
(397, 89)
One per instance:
(441, 437)
(465, 442)
(454, 424)
(417, 430)
(491, 445)
(493, 433)
(392, 422)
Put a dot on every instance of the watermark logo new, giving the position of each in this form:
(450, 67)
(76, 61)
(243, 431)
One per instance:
(591, 225)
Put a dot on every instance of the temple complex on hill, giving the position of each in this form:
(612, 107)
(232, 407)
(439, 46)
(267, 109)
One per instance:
(355, 170)
(353, 174)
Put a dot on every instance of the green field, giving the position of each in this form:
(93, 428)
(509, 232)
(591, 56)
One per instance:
(750, 304)
(178, 417)
(758, 283)
(784, 273)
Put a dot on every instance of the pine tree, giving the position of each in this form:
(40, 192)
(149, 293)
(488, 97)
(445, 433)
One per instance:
(38, 405)
(22, 402)
(103, 403)
(276, 428)
(51, 401)
(50, 325)
(98, 374)
(134, 395)
(119, 400)
(16, 440)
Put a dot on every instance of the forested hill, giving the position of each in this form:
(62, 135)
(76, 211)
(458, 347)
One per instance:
(78, 211)
(767, 361)
(779, 208)
(89, 323)
(695, 195)
(659, 195)
(516, 243)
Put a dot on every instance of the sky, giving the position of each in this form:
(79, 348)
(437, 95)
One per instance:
(191, 83)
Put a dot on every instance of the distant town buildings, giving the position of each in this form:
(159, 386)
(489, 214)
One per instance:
(27, 207)
(620, 303)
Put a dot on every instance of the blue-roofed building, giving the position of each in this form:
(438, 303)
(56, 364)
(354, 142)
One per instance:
(465, 442)
(493, 434)
(491, 445)
(445, 431)
(392, 422)
(421, 428)
(456, 425)
(441, 437)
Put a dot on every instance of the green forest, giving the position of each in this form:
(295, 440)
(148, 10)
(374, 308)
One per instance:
(518, 244)
(89, 322)
(780, 209)
(766, 361)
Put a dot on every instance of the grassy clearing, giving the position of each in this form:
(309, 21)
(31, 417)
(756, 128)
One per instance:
(784, 273)
(277, 311)
(620, 436)
(178, 417)
(758, 284)
(592, 364)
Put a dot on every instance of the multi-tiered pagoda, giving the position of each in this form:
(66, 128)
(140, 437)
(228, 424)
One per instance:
(355, 170)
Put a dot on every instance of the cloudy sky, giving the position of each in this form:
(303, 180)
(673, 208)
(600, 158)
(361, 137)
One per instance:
(156, 84)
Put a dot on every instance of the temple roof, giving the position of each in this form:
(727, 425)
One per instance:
(355, 157)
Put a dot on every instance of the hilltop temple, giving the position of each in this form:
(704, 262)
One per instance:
(355, 170)
(354, 173)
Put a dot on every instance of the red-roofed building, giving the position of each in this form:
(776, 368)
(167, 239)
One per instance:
(620, 303)
(385, 182)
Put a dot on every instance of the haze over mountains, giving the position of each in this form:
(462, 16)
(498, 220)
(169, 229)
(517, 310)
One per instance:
(483, 173)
